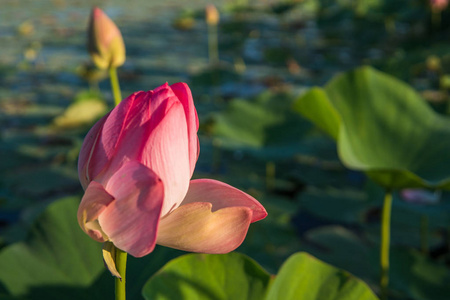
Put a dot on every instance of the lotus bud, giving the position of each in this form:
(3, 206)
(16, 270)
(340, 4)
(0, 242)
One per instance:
(438, 5)
(105, 42)
(212, 15)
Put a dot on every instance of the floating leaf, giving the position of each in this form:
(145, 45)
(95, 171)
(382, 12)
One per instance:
(305, 277)
(331, 243)
(59, 261)
(235, 276)
(81, 113)
(57, 253)
(264, 126)
(382, 127)
(208, 276)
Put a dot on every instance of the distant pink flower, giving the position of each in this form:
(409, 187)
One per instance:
(105, 42)
(439, 4)
(420, 196)
(212, 15)
(135, 166)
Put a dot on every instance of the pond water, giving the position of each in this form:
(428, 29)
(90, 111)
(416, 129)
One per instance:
(43, 47)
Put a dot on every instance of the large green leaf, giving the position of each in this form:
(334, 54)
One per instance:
(59, 261)
(382, 127)
(56, 253)
(235, 276)
(305, 277)
(207, 276)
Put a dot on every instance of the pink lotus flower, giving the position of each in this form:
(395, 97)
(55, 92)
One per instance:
(135, 166)
(439, 4)
(105, 42)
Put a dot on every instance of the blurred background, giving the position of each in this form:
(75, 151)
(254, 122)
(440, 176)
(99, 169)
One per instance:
(269, 53)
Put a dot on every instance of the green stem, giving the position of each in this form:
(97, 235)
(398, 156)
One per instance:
(270, 175)
(115, 85)
(213, 45)
(390, 25)
(121, 265)
(424, 234)
(385, 241)
(121, 256)
(217, 155)
(435, 18)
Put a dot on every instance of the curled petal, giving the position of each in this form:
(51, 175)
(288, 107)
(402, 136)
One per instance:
(103, 140)
(126, 121)
(131, 131)
(123, 132)
(195, 228)
(222, 195)
(131, 220)
(184, 94)
(135, 117)
(91, 161)
(151, 128)
(109, 258)
(94, 202)
(166, 153)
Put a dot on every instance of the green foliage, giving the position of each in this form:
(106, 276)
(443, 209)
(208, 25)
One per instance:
(202, 276)
(265, 125)
(305, 277)
(383, 128)
(235, 276)
(57, 253)
(86, 110)
(58, 260)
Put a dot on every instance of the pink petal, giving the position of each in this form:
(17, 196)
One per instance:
(133, 120)
(184, 94)
(102, 141)
(131, 221)
(129, 121)
(166, 153)
(222, 195)
(126, 122)
(133, 132)
(194, 228)
(87, 166)
(93, 203)
(108, 136)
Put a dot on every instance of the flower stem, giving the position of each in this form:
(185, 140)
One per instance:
(213, 45)
(385, 243)
(115, 85)
(121, 264)
(424, 234)
(121, 256)
(270, 175)
(435, 17)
